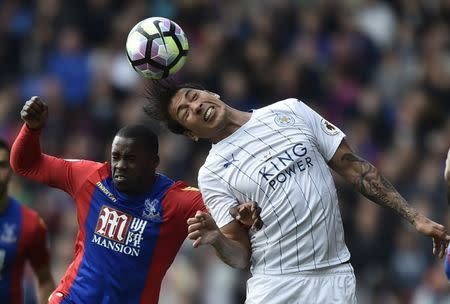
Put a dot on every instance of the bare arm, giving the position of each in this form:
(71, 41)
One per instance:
(46, 284)
(366, 179)
(231, 242)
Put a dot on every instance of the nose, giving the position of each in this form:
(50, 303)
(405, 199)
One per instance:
(197, 107)
(121, 164)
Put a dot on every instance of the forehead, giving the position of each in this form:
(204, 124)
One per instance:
(178, 99)
(180, 95)
(124, 145)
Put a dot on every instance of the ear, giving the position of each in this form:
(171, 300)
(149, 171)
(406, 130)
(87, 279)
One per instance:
(191, 135)
(156, 160)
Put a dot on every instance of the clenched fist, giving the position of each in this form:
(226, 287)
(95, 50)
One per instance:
(34, 113)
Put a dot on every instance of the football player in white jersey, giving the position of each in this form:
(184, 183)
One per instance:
(280, 157)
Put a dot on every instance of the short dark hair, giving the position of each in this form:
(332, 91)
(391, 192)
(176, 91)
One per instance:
(142, 134)
(5, 146)
(159, 96)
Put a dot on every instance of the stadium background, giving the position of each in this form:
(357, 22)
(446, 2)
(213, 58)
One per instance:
(380, 70)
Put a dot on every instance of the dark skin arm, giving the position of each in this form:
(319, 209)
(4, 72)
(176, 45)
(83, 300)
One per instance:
(231, 242)
(46, 283)
(367, 180)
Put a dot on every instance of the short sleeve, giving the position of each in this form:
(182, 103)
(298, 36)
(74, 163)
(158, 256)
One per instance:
(192, 201)
(327, 136)
(217, 199)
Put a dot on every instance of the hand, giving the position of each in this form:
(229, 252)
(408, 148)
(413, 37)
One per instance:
(202, 229)
(438, 232)
(248, 214)
(34, 113)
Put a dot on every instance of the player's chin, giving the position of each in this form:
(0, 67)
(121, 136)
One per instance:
(121, 184)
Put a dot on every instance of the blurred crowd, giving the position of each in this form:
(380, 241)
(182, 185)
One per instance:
(379, 70)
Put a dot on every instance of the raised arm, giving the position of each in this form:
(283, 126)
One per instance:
(28, 160)
(366, 179)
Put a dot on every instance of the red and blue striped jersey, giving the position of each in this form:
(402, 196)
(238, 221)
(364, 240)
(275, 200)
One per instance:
(23, 237)
(125, 244)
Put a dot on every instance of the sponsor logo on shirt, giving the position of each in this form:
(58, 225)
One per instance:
(284, 120)
(230, 162)
(106, 191)
(119, 231)
(279, 169)
(8, 235)
(328, 127)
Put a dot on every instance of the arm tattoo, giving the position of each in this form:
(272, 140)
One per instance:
(370, 183)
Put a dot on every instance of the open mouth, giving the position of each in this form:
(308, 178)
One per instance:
(208, 113)
(119, 178)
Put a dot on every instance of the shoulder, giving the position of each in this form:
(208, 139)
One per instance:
(213, 160)
(184, 197)
(32, 222)
(284, 104)
(28, 212)
(181, 191)
(203, 171)
(85, 163)
(286, 110)
(88, 168)
(211, 172)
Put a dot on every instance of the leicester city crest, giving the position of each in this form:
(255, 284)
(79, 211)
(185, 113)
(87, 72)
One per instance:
(284, 120)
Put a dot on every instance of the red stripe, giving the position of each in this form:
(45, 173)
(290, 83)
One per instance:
(171, 236)
(83, 201)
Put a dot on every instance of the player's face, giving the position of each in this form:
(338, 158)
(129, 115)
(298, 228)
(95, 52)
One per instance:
(5, 171)
(199, 111)
(133, 167)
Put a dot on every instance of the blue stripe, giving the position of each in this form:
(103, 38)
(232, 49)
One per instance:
(118, 275)
(11, 216)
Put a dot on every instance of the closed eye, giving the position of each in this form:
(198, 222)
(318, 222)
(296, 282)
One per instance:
(182, 113)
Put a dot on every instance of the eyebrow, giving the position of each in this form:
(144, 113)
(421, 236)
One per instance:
(185, 97)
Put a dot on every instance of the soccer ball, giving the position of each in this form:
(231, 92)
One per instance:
(157, 47)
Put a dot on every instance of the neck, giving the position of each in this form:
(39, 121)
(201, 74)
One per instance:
(3, 201)
(235, 120)
(144, 189)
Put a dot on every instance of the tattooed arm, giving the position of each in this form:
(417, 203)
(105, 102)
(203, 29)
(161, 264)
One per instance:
(367, 180)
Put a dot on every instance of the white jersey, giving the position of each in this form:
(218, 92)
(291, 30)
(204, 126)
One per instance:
(279, 160)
